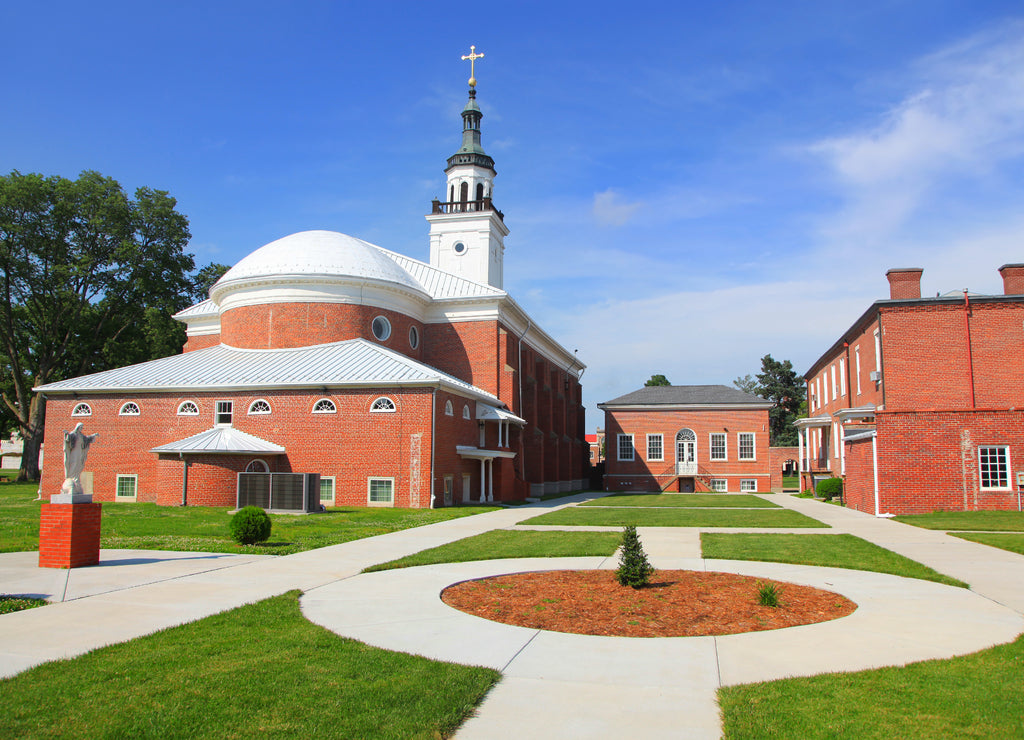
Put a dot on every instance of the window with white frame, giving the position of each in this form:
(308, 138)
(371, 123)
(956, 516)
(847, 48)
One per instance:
(465, 412)
(327, 490)
(130, 409)
(449, 409)
(626, 447)
(994, 467)
(856, 365)
(381, 328)
(838, 441)
(325, 406)
(817, 389)
(748, 484)
(127, 487)
(225, 412)
(746, 446)
(718, 448)
(655, 447)
(259, 406)
(188, 408)
(380, 491)
(835, 386)
(382, 405)
(257, 466)
(842, 377)
(718, 485)
(81, 409)
(878, 351)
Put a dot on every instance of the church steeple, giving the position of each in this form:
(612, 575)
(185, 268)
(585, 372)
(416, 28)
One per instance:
(466, 231)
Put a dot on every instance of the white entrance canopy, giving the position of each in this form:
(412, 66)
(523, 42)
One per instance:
(486, 458)
(220, 441)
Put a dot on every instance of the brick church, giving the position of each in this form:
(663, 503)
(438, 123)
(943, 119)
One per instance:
(397, 382)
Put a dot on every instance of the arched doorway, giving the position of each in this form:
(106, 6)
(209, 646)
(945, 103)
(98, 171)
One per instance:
(686, 452)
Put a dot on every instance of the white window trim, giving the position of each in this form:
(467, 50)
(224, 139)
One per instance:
(856, 357)
(334, 490)
(414, 337)
(375, 410)
(835, 385)
(842, 377)
(466, 414)
(618, 448)
(218, 413)
(182, 412)
(449, 408)
(878, 351)
(739, 447)
(387, 328)
(369, 483)
(718, 485)
(661, 445)
(81, 409)
(748, 485)
(264, 467)
(332, 410)
(1009, 469)
(125, 411)
(135, 485)
(269, 410)
(711, 446)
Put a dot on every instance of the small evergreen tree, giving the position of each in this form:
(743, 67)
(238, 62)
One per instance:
(634, 569)
(250, 525)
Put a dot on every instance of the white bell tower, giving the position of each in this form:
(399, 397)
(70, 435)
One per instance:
(467, 233)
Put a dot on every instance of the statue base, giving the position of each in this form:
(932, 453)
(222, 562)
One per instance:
(71, 498)
(69, 534)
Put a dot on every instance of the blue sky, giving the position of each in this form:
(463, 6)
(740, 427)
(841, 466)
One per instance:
(689, 186)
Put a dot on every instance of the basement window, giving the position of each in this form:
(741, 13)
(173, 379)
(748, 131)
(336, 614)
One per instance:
(127, 487)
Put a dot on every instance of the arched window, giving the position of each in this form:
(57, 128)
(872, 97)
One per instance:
(257, 466)
(451, 194)
(383, 405)
(465, 412)
(464, 192)
(259, 406)
(130, 409)
(188, 408)
(325, 406)
(449, 410)
(686, 450)
(81, 409)
(381, 328)
(479, 191)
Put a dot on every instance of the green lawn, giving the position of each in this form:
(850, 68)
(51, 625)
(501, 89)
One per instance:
(790, 481)
(504, 543)
(985, 521)
(1012, 541)
(684, 500)
(261, 670)
(650, 517)
(973, 696)
(832, 550)
(205, 529)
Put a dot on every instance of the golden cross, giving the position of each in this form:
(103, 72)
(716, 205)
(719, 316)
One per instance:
(472, 57)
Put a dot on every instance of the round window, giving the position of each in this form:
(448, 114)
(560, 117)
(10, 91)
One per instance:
(459, 248)
(414, 337)
(381, 328)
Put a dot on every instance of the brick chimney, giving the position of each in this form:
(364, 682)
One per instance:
(1013, 278)
(904, 282)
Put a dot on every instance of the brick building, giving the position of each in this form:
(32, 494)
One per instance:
(920, 404)
(687, 438)
(398, 382)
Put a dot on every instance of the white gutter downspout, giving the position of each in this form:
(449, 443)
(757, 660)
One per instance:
(874, 469)
(433, 424)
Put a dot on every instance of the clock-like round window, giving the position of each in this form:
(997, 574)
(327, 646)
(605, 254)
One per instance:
(459, 248)
(381, 328)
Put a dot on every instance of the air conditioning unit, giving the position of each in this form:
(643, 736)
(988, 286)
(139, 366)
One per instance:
(875, 375)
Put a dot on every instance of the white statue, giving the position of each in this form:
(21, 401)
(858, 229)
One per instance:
(76, 447)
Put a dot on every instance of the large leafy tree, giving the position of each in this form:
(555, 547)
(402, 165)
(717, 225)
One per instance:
(90, 279)
(778, 382)
(657, 380)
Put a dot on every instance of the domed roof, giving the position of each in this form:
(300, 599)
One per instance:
(319, 253)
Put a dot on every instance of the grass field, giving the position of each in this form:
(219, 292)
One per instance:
(685, 500)
(981, 521)
(973, 696)
(1012, 541)
(205, 529)
(261, 670)
(653, 517)
(830, 550)
(503, 543)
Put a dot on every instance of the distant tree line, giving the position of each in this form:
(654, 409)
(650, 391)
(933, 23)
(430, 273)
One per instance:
(779, 383)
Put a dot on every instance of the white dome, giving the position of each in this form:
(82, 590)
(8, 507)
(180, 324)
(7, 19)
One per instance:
(319, 253)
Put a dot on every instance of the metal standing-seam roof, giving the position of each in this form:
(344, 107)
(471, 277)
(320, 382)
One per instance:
(223, 441)
(353, 362)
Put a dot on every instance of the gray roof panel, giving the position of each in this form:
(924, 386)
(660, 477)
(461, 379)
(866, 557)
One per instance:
(686, 395)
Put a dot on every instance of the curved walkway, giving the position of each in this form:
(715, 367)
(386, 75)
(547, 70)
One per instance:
(566, 685)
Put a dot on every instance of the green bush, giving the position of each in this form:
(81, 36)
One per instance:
(250, 525)
(634, 569)
(768, 594)
(10, 604)
(830, 488)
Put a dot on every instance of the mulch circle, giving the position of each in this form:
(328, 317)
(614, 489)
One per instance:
(676, 603)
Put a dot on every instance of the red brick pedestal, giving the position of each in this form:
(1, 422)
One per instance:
(69, 535)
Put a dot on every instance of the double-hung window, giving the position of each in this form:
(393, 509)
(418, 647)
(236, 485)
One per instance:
(994, 467)
(626, 447)
(718, 449)
(655, 447)
(746, 446)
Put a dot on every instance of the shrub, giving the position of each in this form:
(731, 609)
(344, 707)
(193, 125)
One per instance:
(830, 487)
(634, 569)
(768, 594)
(10, 604)
(250, 525)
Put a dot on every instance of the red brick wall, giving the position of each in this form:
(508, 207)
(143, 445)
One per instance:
(69, 535)
(279, 325)
(467, 350)
(859, 484)
(777, 457)
(201, 342)
(645, 475)
(928, 460)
